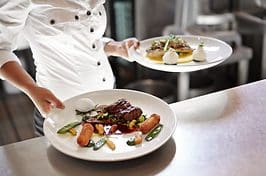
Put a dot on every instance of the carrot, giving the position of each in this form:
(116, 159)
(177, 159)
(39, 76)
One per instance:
(149, 123)
(85, 134)
(113, 129)
(100, 128)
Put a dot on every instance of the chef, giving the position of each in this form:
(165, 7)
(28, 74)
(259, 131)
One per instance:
(69, 51)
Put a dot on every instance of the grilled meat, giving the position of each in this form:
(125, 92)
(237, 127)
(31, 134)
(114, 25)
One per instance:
(123, 109)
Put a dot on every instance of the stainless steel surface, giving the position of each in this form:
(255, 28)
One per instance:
(218, 134)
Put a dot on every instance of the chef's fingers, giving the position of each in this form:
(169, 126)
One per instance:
(132, 42)
(46, 108)
(55, 102)
(136, 44)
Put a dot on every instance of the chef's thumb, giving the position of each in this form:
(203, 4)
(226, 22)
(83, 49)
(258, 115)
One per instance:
(136, 45)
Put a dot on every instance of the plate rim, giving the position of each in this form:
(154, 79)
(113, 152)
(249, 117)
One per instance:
(122, 157)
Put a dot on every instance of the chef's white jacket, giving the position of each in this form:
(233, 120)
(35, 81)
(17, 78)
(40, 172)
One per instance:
(65, 37)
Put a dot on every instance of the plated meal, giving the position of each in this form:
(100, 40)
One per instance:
(117, 118)
(175, 50)
(180, 53)
(110, 125)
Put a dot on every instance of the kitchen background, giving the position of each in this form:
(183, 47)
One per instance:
(241, 23)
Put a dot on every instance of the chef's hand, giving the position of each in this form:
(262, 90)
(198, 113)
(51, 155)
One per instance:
(120, 48)
(44, 100)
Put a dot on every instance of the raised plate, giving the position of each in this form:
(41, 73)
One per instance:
(217, 51)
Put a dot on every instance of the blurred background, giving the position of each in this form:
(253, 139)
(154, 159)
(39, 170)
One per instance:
(240, 23)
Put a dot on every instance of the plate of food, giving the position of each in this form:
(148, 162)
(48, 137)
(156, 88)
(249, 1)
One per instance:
(180, 53)
(110, 125)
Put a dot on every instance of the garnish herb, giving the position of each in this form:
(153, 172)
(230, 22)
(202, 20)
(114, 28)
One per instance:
(171, 37)
(201, 44)
(142, 118)
(131, 141)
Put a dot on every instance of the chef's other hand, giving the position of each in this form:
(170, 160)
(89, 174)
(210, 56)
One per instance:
(120, 48)
(44, 100)
(125, 45)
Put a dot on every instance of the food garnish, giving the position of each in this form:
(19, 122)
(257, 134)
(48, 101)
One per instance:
(67, 127)
(110, 144)
(91, 143)
(170, 57)
(99, 143)
(72, 131)
(131, 141)
(154, 132)
(84, 105)
(199, 55)
(137, 139)
(149, 123)
(85, 134)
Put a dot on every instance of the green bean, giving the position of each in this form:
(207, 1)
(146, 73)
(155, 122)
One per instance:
(91, 143)
(67, 127)
(99, 143)
(131, 141)
(154, 133)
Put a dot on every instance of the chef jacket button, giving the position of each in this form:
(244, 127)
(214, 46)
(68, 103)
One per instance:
(88, 13)
(93, 46)
(104, 79)
(52, 21)
(76, 17)
(100, 13)
(92, 30)
(98, 63)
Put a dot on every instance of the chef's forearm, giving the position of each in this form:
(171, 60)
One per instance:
(17, 76)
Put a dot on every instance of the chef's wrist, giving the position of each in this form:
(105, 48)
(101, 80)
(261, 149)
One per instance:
(112, 48)
(28, 88)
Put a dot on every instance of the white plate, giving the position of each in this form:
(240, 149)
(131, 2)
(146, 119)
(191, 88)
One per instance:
(149, 105)
(216, 50)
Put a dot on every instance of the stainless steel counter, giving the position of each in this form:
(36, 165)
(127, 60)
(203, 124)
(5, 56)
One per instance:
(223, 134)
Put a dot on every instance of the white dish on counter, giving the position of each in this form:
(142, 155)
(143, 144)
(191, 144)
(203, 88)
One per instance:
(148, 103)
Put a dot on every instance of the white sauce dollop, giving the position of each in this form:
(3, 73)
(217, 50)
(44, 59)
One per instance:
(170, 57)
(84, 105)
(199, 54)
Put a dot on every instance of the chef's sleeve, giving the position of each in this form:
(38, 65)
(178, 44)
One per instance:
(13, 14)
(105, 40)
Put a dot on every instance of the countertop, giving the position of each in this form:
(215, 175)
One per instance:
(222, 133)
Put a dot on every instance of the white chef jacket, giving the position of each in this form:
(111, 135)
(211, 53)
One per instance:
(65, 37)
